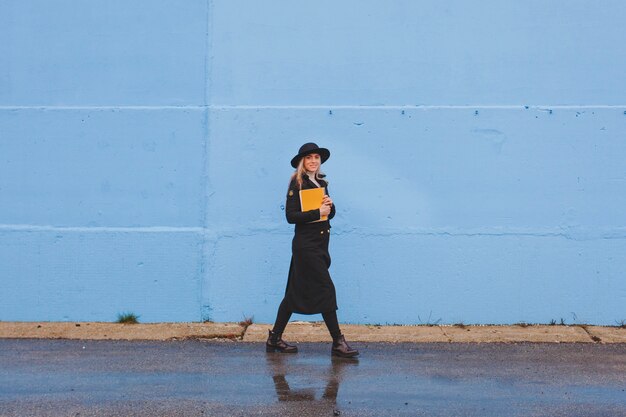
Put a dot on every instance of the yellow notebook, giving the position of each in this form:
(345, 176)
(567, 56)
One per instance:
(311, 199)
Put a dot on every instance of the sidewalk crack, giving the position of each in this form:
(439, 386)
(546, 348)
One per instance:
(596, 339)
(445, 335)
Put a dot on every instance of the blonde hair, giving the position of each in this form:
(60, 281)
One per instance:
(300, 172)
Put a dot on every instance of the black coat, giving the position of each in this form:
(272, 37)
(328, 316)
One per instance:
(310, 289)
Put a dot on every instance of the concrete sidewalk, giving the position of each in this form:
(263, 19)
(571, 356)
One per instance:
(116, 331)
(314, 332)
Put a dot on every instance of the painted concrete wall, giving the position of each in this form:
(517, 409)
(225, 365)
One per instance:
(477, 157)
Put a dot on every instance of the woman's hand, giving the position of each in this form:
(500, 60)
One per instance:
(327, 200)
(325, 209)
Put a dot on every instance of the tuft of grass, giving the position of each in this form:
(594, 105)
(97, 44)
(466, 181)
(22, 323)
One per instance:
(127, 318)
(460, 325)
(552, 322)
(621, 324)
(562, 323)
(428, 322)
(247, 321)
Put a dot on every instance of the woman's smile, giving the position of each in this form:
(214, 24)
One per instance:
(312, 162)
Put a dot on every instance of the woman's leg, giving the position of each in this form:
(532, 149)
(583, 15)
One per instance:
(275, 342)
(340, 346)
(330, 318)
(282, 318)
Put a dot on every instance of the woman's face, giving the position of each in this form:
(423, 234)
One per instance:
(312, 161)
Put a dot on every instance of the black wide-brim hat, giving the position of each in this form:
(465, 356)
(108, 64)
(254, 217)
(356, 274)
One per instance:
(309, 148)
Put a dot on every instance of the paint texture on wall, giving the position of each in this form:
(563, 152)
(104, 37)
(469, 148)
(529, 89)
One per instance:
(477, 158)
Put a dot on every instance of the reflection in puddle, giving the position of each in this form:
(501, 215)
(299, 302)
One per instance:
(277, 364)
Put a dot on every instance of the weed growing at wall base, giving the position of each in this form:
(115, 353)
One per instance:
(127, 318)
(428, 322)
(247, 321)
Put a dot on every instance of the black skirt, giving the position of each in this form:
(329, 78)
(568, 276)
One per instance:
(310, 290)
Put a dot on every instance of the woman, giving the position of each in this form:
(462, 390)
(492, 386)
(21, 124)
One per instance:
(309, 287)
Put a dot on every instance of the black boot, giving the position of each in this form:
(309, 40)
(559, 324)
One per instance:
(275, 343)
(342, 349)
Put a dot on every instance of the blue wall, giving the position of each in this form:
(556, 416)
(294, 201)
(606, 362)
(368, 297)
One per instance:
(477, 157)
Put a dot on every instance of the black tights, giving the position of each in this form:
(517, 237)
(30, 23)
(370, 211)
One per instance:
(284, 314)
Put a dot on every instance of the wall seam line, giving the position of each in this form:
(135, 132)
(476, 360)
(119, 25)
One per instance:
(205, 261)
(543, 107)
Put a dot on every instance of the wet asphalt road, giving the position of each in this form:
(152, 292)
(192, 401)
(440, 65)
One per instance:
(196, 378)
